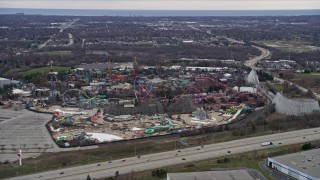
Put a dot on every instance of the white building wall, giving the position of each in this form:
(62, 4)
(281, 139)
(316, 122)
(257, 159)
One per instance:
(289, 171)
(4, 81)
(168, 177)
(297, 106)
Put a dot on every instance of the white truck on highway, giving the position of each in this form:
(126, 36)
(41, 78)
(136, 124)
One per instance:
(266, 143)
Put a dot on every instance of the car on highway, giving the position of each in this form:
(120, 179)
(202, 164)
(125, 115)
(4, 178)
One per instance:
(148, 159)
(229, 151)
(266, 143)
(179, 151)
(183, 159)
(123, 160)
(62, 173)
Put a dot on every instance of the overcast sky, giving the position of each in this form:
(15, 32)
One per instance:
(164, 4)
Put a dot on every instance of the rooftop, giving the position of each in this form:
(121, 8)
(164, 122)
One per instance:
(212, 175)
(307, 162)
(2, 79)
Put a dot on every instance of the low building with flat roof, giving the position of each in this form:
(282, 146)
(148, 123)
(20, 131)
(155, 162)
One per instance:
(5, 81)
(303, 165)
(212, 175)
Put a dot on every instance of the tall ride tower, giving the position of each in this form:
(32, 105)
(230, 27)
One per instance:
(53, 78)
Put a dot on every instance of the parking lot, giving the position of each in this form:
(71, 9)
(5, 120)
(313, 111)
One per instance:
(24, 130)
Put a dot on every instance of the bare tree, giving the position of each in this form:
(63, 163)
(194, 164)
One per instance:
(13, 147)
(2, 147)
(47, 146)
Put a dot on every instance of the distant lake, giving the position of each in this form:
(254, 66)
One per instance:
(87, 12)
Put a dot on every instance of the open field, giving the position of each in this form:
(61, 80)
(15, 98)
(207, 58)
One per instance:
(278, 87)
(61, 53)
(44, 70)
(310, 81)
(289, 46)
(309, 75)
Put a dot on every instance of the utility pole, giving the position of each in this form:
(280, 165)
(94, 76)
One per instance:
(246, 131)
(35, 166)
(212, 137)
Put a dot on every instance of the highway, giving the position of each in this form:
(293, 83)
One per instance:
(170, 158)
(252, 62)
(265, 53)
(63, 27)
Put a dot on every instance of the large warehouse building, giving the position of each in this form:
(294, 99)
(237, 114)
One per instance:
(214, 175)
(304, 165)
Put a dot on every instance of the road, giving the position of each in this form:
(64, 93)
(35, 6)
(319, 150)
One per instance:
(63, 27)
(170, 158)
(71, 41)
(252, 62)
(265, 53)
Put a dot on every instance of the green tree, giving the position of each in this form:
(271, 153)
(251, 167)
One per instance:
(306, 146)
(6, 91)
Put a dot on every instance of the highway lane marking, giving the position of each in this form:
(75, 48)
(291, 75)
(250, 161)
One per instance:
(207, 152)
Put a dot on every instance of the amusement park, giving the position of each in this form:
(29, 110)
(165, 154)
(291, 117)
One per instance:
(105, 102)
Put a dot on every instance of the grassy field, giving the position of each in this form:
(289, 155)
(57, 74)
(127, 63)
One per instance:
(289, 46)
(61, 53)
(309, 75)
(278, 87)
(308, 80)
(44, 70)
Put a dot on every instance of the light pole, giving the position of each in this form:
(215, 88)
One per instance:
(20, 154)
(35, 166)
(212, 137)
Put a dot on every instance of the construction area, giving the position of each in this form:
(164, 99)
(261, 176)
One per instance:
(118, 103)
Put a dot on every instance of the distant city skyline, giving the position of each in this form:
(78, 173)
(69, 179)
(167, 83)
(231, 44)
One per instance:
(164, 4)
